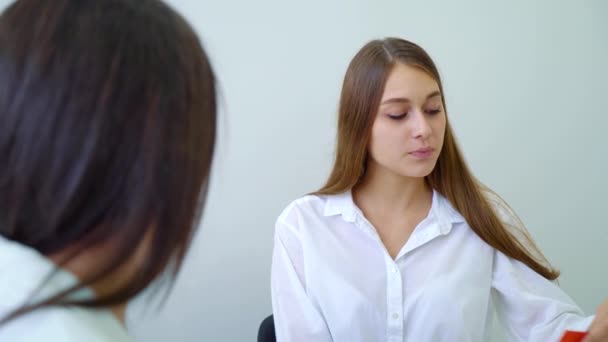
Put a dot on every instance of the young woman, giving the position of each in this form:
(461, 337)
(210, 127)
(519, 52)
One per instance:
(107, 131)
(403, 243)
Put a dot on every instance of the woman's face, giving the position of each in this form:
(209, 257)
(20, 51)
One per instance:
(409, 128)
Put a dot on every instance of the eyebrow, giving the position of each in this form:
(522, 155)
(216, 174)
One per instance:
(406, 100)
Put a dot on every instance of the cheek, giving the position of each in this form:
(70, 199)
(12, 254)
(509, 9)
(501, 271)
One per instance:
(384, 141)
(439, 127)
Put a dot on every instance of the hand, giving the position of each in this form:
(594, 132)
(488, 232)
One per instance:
(598, 331)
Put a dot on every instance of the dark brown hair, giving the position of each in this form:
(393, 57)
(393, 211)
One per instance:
(488, 215)
(107, 133)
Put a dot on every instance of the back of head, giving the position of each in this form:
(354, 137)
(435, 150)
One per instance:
(107, 131)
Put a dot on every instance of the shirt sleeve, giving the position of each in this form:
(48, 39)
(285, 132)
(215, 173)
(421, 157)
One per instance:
(296, 317)
(531, 307)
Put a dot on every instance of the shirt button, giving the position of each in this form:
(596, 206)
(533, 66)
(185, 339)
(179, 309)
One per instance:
(395, 315)
(394, 270)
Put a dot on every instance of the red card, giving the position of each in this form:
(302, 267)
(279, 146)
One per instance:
(573, 336)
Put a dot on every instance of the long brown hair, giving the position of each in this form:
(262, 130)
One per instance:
(107, 134)
(485, 212)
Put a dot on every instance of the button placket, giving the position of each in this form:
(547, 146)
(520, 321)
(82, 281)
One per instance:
(394, 301)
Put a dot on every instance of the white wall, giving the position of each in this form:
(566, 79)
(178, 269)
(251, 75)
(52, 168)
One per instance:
(525, 83)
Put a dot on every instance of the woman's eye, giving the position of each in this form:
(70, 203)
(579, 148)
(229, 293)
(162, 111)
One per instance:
(397, 116)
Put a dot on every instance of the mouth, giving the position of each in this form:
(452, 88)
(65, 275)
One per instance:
(422, 153)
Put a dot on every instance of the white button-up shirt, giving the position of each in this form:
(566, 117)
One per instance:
(22, 270)
(333, 280)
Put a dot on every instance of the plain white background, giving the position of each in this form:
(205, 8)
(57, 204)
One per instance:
(525, 84)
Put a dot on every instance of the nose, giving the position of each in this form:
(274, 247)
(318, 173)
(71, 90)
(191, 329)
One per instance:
(421, 129)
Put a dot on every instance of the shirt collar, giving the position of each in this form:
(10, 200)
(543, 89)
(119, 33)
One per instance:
(446, 214)
(341, 204)
(441, 209)
(27, 270)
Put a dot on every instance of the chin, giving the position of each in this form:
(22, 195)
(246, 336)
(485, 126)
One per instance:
(417, 171)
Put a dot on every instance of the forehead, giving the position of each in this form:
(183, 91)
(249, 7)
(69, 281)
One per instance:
(408, 82)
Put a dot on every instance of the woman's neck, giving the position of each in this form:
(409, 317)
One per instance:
(384, 191)
(80, 267)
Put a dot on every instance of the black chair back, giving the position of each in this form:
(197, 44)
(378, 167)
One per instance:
(266, 331)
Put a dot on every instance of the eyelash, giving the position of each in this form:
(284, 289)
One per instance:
(401, 116)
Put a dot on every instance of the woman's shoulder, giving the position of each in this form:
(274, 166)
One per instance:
(310, 204)
(500, 206)
(67, 325)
